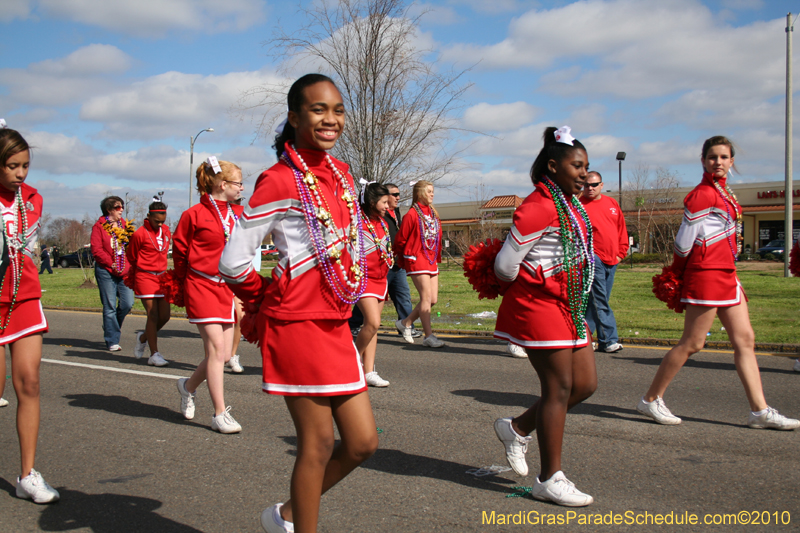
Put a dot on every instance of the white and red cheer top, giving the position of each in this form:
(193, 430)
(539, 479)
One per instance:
(409, 247)
(147, 255)
(535, 310)
(377, 268)
(29, 287)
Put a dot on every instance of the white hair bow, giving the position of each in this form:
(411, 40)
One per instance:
(563, 135)
(2, 123)
(279, 129)
(214, 164)
(412, 183)
(364, 184)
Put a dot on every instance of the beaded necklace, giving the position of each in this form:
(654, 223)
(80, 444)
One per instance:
(384, 251)
(731, 203)
(164, 240)
(348, 284)
(117, 244)
(16, 251)
(225, 229)
(578, 249)
(429, 228)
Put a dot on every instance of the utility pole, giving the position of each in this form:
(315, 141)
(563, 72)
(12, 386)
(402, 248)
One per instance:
(788, 228)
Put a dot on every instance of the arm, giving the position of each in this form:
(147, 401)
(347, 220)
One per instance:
(180, 244)
(696, 210)
(132, 250)
(101, 257)
(522, 237)
(623, 236)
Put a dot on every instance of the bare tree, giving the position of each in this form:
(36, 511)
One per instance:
(653, 195)
(71, 235)
(399, 107)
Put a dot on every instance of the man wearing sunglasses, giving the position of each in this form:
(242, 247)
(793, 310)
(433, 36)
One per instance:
(610, 247)
(396, 279)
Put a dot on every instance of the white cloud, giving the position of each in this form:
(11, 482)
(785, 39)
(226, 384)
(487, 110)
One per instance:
(589, 118)
(172, 104)
(499, 117)
(64, 81)
(12, 9)
(154, 18)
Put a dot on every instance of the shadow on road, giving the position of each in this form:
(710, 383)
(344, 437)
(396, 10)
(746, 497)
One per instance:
(504, 399)
(120, 405)
(705, 365)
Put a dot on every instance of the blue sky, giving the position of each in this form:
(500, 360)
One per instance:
(109, 91)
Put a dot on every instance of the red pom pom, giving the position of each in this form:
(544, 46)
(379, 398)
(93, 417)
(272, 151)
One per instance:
(794, 260)
(668, 287)
(479, 268)
(172, 288)
(130, 278)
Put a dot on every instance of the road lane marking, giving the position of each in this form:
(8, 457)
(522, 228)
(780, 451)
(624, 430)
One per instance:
(122, 370)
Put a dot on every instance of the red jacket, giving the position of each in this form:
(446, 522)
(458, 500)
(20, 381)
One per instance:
(408, 240)
(199, 238)
(608, 228)
(143, 252)
(102, 250)
(29, 288)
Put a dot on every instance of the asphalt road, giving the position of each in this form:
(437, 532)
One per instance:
(124, 460)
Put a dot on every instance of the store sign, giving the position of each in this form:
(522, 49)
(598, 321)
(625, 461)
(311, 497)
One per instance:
(778, 194)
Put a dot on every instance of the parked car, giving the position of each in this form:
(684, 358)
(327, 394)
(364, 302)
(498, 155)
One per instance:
(69, 260)
(773, 247)
(269, 251)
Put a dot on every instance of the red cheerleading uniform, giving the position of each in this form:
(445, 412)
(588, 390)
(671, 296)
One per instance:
(196, 249)
(409, 247)
(705, 247)
(535, 309)
(377, 269)
(147, 256)
(27, 316)
(306, 345)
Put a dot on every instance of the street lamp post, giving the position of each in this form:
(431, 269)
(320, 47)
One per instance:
(126, 205)
(191, 160)
(620, 158)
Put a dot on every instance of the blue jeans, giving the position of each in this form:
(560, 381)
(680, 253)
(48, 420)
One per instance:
(599, 315)
(398, 292)
(112, 288)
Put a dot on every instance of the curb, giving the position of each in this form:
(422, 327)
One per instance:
(477, 334)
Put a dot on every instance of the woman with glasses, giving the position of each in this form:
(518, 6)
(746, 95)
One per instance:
(199, 239)
(110, 235)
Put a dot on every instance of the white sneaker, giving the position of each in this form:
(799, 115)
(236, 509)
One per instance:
(516, 351)
(516, 445)
(3, 402)
(559, 490)
(225, 423)
(431, 341)
(772, 419)
(594, 346)
(157, 360)
(138, 350)
(34, 487)
(272, 522)
(797, 365)
(374, 380)
(115, 348)
(187, 399)
(657, 410)
(404, 331)
(234, 365)
(613, 348)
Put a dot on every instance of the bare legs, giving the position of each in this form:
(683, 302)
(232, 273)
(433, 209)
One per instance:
(567, 377)
(320, 465)
(217, 342)
(26, 355)
(367, 340)
(237, 327)
(697, 323)
(157, 317)
(428, 289)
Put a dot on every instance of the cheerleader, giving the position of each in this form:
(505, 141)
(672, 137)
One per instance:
(547, 264)
(706, 247)
(308, 203)
(378, 249)
(147, 257)
(22, 320)
(419, 250)
(197, 245)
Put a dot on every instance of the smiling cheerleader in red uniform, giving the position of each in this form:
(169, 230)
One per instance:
(198, 242)
(307, 201)
(706, 248)
(547, 265)
(147, 256)
(22, 320)
(418, 248)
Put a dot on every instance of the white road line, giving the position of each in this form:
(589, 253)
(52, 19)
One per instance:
(123, 370)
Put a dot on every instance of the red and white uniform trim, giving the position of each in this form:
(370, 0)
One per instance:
(377, 269)
(535, 311)
(704, 248)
